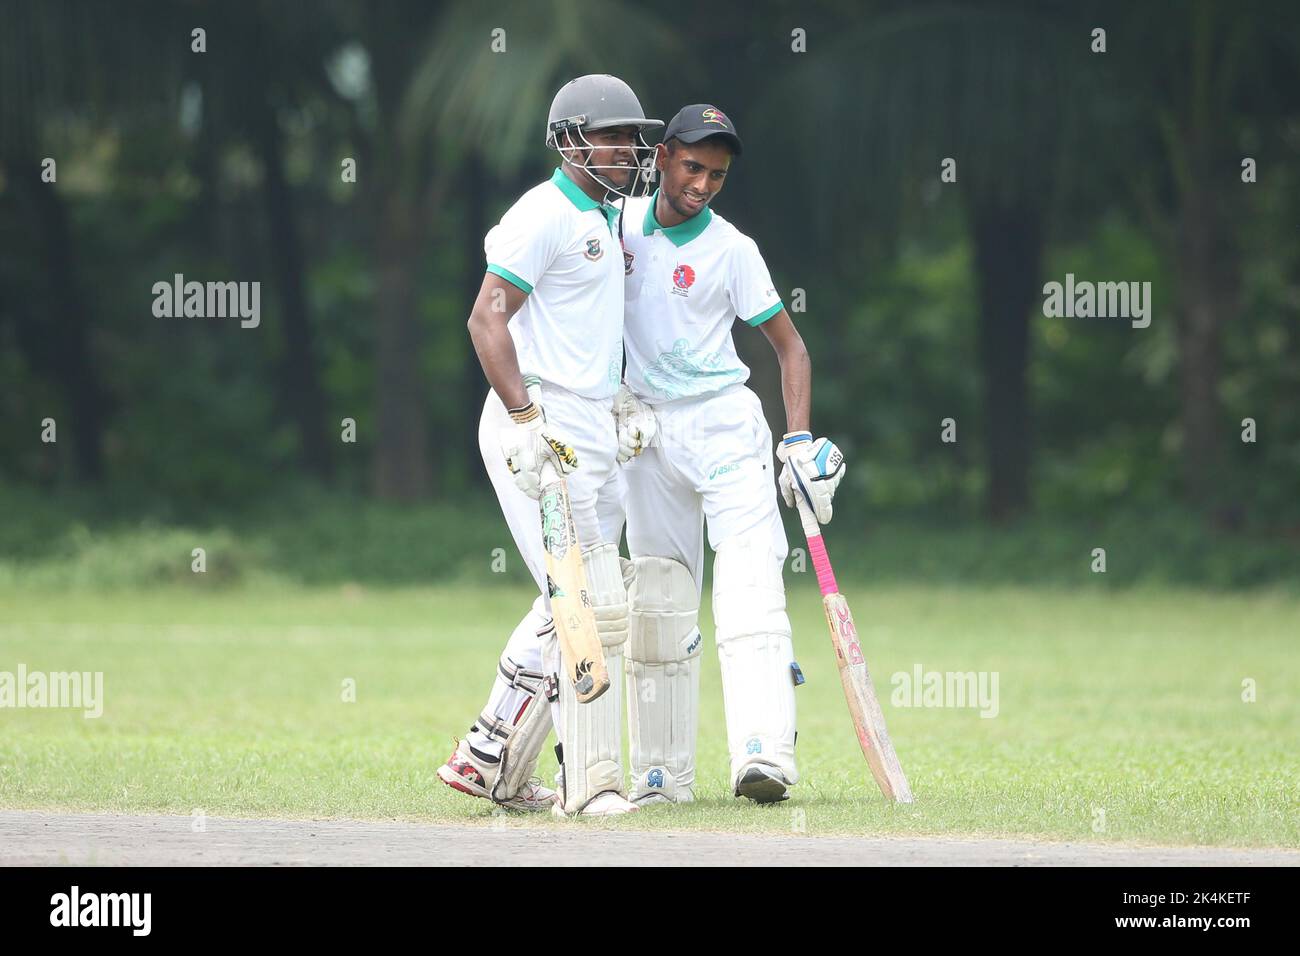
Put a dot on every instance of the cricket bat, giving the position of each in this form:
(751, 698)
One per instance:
(868, 719)
(566, 583)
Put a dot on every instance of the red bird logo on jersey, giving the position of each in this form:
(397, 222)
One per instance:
(683, 277)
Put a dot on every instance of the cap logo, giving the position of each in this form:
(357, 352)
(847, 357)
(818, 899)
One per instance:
(712, 115)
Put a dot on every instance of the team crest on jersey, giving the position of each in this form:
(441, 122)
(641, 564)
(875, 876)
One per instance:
(594, 251)
(683, 279)
(627, 261)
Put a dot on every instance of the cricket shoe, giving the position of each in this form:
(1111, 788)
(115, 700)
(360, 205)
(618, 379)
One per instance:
(684, 795)
(762, 783)
(658, 785)
(467, 773)
(605, 804)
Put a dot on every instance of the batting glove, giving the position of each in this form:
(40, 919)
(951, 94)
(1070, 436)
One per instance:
(530, 444)
(814, 468)
(637, 425)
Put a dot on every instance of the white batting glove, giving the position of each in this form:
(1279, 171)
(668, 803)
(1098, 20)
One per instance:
(529, 443)
(814, 468)
(637, 425)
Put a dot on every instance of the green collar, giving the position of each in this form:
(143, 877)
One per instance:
(581, 200)
(681, 233)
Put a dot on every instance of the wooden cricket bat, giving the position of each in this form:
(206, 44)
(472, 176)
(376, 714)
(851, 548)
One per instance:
(868, 719)
(566, 583)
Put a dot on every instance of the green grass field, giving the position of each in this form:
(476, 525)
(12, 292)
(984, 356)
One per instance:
(1120, 716)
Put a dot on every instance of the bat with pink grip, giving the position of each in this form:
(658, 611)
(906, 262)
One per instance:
(859, 691)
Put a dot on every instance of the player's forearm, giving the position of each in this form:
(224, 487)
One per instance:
(796, 385)
(496, 353)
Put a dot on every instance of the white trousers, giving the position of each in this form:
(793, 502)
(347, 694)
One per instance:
(712, 460)
(595, 496)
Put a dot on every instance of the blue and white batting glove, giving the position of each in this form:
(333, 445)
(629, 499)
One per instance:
(814, 468)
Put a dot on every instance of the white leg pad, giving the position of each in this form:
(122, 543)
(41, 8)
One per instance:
(608, 595)
(508, 736)
(756, 654)
(591, 735)
(663, 678)
(532, 725)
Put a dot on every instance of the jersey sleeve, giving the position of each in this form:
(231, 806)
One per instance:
(749, 284)
(522, 246)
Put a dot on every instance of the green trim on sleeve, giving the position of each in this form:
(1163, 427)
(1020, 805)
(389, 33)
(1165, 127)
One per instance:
(509, 277)
(765, 315)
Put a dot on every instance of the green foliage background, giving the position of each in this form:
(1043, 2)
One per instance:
(161, 170)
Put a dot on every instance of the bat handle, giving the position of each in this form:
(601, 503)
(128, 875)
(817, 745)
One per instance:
(548, 474)
(817, 548)
(811, 528)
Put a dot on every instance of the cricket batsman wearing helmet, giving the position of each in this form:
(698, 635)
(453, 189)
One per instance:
(698, 448)
(551, 305)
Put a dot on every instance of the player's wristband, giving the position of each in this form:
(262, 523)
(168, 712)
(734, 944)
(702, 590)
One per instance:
(789, 441)
(521, 416)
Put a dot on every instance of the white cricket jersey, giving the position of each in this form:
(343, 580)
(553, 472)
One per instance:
(685, 286)
(561, 247)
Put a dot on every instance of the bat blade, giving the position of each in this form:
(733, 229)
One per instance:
(864, 707)
(566, 580)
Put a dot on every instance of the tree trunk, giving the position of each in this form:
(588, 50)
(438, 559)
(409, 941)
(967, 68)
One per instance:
(1008, 253)
(59, 338)
(403, 469)
(401, 198)
(302, 392)
(1206, 255)
(473, 384)
(1209, 277)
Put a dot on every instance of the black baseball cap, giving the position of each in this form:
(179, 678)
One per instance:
(699, 121)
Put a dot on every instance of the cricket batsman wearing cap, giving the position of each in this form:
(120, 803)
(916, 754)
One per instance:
(698, 449)
(551, 306)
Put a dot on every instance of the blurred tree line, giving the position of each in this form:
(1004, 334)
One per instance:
(923, 298)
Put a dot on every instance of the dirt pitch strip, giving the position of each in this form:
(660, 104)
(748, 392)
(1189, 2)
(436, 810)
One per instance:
(34, 838)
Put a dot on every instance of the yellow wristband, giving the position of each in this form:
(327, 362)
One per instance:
(526, 414)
